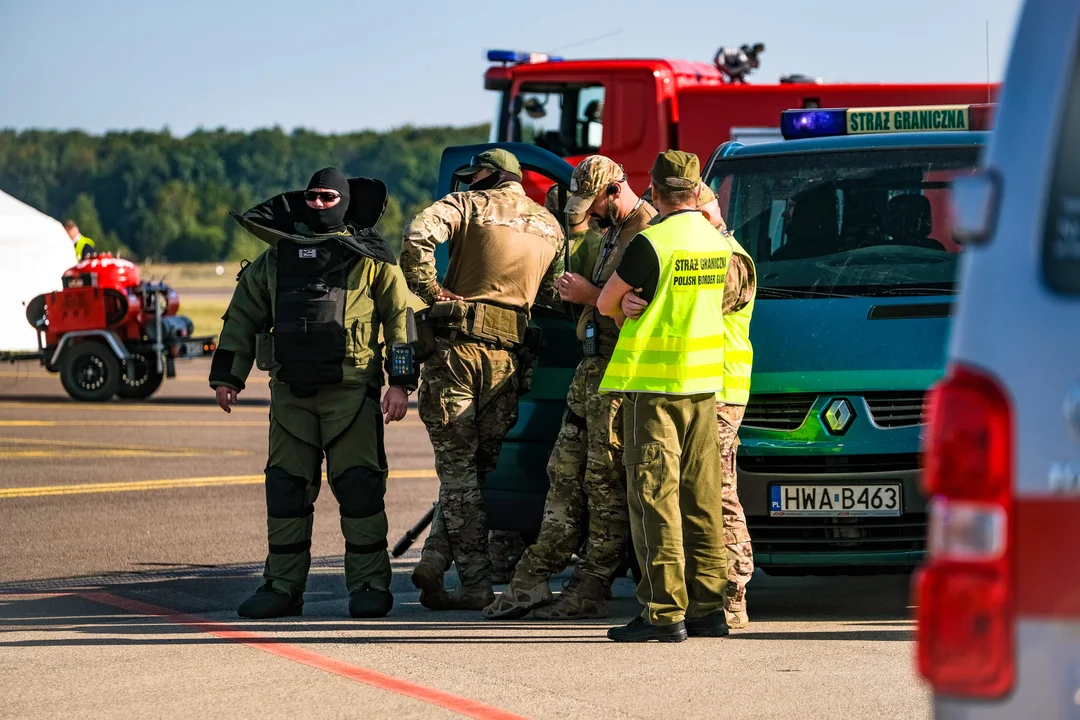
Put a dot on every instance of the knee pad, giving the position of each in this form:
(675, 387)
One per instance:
(359, 491)
(286, 494)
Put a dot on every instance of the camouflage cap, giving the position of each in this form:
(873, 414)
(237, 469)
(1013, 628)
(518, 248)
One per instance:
(590, 177)
(496, 159)
(706, 196)
(676, 170)
(551, 204)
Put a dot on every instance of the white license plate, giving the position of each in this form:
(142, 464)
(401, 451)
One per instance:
(835, 500)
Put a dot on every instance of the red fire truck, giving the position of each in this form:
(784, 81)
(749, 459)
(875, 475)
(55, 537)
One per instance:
(630, 110)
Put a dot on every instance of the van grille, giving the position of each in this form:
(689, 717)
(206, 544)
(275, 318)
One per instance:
(896, 409)
(784, 412)
(818, 464)
(869, 534)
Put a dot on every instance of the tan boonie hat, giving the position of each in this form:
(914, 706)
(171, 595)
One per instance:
(590, 178)
(496, 159)
(676, 170)
(706, 196)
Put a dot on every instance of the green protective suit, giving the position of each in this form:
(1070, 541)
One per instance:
(342, 422)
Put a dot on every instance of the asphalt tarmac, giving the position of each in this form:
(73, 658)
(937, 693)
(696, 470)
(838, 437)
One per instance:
(132, 530)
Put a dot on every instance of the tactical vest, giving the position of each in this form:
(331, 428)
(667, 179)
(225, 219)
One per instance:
(309, 313)
(676, 346)
(738, 352)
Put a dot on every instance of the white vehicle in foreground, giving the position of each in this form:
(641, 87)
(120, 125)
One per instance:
(999, 599)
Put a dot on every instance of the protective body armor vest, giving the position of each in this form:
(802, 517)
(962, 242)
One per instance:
(309, 312)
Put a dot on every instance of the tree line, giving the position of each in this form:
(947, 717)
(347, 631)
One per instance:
(153, 196)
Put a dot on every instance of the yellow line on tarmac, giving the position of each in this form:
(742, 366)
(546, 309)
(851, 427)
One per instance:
(103, 453)
(141, 485)
(146, 408)
(113, 446)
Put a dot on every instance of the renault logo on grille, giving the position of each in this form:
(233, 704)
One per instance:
(838, 416)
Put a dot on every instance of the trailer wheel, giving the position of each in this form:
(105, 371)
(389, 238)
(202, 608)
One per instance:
(90, 371)
(145, 382)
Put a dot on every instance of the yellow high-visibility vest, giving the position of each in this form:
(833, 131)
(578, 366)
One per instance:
(738, 352)
(81, 244)
(676, 346)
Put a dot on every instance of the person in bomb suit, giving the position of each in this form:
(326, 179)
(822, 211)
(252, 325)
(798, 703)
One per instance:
(309, 309)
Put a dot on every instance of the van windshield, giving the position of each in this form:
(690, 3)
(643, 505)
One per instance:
(827, 224)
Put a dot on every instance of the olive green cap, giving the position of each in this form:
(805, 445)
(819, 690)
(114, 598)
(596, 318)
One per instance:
(676, 170)
(496, 159)
(706, 196)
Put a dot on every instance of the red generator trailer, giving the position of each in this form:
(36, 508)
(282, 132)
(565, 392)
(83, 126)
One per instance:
(108, 333)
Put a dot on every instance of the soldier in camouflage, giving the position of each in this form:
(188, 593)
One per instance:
(584, 242)
(585, 470)
(505, 255)
(739, 291)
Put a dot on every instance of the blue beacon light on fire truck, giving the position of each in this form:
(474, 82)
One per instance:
(515, 56)
(821, 122)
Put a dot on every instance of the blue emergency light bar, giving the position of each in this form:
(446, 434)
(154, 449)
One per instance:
(819, 122)
(514, 56)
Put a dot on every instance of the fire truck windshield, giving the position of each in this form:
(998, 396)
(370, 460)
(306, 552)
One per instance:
(846, 223)
(564, 119)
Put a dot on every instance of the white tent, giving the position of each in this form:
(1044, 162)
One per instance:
(35, 250)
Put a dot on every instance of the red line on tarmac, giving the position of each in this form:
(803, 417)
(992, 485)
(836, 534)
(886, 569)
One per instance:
(454, 703)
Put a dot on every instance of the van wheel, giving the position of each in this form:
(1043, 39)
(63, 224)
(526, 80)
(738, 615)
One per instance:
(90, 372)
(145, 382)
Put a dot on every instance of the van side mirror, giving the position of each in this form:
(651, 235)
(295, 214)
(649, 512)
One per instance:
(975, 202)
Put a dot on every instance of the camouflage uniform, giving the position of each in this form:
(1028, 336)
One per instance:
(587, 480)
(506, 252)
(739, 289)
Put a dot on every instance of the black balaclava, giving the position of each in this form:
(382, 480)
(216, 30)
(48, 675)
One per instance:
(494, 180)
(330, 220)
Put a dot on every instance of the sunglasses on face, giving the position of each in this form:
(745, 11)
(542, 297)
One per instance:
(312, 196)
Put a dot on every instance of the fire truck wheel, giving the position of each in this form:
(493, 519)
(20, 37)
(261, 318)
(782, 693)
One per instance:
(146, 382)
(90, 371)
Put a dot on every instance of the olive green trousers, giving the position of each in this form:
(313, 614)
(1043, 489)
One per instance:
(345, 425)
(675, 497)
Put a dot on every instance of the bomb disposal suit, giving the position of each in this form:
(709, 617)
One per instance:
(309, 310)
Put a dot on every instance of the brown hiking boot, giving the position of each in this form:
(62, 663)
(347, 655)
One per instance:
(474, 598)
(428, 578)
(584, 597)
(737, 619)
(525, 592)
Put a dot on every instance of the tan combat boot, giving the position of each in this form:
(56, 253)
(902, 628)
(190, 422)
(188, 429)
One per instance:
(737, 619)
(472, 598)
(525, 592)
(583, 598)
(427, 576)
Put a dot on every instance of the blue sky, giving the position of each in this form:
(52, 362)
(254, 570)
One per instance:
(333, 65)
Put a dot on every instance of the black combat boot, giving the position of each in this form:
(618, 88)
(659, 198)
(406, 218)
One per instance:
(270, 603)
(641, 630)
(712, 625)
(370, 603)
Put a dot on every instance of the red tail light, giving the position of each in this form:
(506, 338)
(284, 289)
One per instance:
(965, 592)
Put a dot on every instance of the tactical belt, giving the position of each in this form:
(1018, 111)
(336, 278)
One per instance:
(482, 322)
